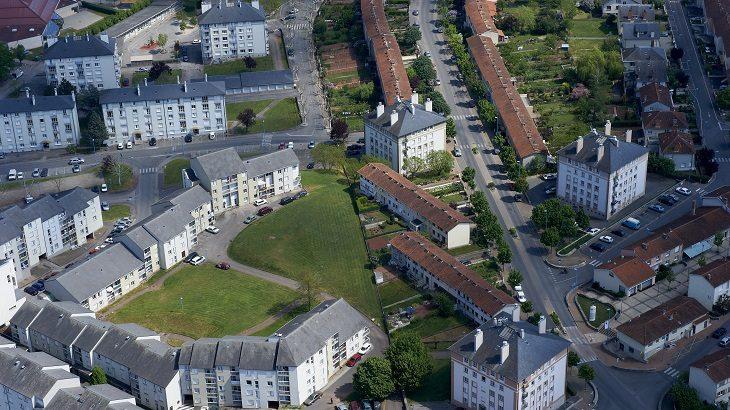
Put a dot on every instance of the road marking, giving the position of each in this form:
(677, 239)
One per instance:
(595, 262)
(148, 171)
(672, 372)
(298, 26)
(722, 159)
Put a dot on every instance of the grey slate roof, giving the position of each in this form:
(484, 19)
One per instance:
(161, 92)
(28, 312)
(56, 322)
(305, 334)
(644, 54)
(267, 163)
(42, 103)
(245, 352)
(74, 200)
(93, 332)
(79, 46)
(252, 79)
(98, 397)
(525, 355)
(616, 154)
(8, 230)
(640, 30)
(220, 164)
(141, 237)
(650, 71)
(27, 376)
(191, 198)
(167, 224)
(94, 274)
(410, 118)
(239, 13)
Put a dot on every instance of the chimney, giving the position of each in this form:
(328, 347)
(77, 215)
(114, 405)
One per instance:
(206, 77)
(478, 339)
(55, 91)
(579, 144)
(599, 153)
(414, 98)
(607, 130)
(380, 109)
(255, 4)
(644, 246)
(185, 86)
(178, 79)
(32, 97)
(27, 93)
(429, 105)
(504, 352)
(66, 38)
(87, 36)
(73, 95)
(628, 135)
(138, 91)
(145, 82)
(542, 325)
(393, 117)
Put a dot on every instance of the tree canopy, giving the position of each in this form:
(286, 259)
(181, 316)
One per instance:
(373, 378)
(409, 361)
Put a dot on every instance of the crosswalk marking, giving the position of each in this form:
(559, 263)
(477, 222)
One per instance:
(595, 262)
(469, 146)
(582, 347)
(148, 171)
(722, 159)
(464, 117)
(298, 26)
(671, 372)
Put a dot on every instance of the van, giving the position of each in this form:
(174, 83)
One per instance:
(12, 174)
(632, 223)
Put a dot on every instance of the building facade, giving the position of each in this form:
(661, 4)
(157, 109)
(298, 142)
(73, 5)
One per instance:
(9, 302)
(83, 61)
(35, 123)
(710, 377)
(710, 282)
(233, 31)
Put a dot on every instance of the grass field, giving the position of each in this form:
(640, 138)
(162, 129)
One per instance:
(437, 386)
(122, 179)
(282, 115)
(237, 66)
(173, 172)
(164, 78)
(489, 270)
(317, 235)
(233, 109)
(394, 291)
(434, 323)
(214, 303)
(604, 311)
(115, 212)
(463, 249)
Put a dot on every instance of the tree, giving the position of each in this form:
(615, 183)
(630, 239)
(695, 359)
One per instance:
(162, 39)
(445, 304)
(423, 68)
(660, 165)
(663, 271)
(339, 131)
(373, 378)
(504, 254)
(409, 361)
(107, 165)
(157, 70)
(526, 306)
(309, 287)
(20, 52)
(409, 38)
(676, 53)
(250, 62)
(573, 359)
(183, 25)
(586, 373)
(96, 132)
(7, 61)
(521, 184)
(514, 278)
(701, 260)
(439, 162)
(487, 113)
(468, 174)
(488, 229)
(719, 238)
(247, 118)
(190, 5)
(414, 165)
(89, 97)
(327, 155)
(479, 202)
(65, 87)
(319, 28)
(58, 183)
(450, 128)
(685, 397)
(582, 219)
(723, 99)
(176, 47)
(97, 376)
(550, 237)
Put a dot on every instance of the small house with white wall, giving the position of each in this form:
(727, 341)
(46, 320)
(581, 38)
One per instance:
(624, 274)
(710, 377)
(710, 282)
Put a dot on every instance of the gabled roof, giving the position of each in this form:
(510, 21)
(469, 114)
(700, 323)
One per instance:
(663, 319)
(161, 92)
(412, 196)
(616, 153)
(481, 15)
(647, 71)
(245, 352)
(411, 118)
(636, 12)
(630, 270)
(55, 321)
(664, 120)
(37, 103)
(80, 46)
(676, 142)
(20, 19)
(653, 93)
(28, 312)
(715, 365)
(641, 30)
(268, 163)
(716, 272)
(635, 54)
(32, 374)
(96, 397)
(252, 79)
(220, 164)
(241, 12)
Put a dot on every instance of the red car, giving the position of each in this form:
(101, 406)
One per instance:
(265, 210)
(223, 265)
(354, 359)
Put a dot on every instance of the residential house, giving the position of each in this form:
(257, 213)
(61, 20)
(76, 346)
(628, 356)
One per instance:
(419, 209)
(233, 31)
(640, 34)
(644, 65)
(717, 15)
(83, 61)
(613, 6)
(634, 13)
(480, 19)
(710, 282)
(659, 328)
(655, 97)
(710, 375)
(10, 297)
(680, 148)
(430, 267)
(647, 72)
(627, 275)
(509, 366)
(655, 123)
(404, 130)
(54, 329)
(601, 174)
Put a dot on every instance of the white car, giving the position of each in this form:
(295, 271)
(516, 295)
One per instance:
(105, 206)
(365, 348)
(593, 231)
(197, 260)
(75, 161)
(457, 152)
(518, 288)
(606, 238)
(196, 41)
(104, 188)
(549, 177)
(684, 191)
(19, 175)
(212, 229)
(120, 146)
(521, 297)
(260, 202)
(290, 144)
(129, 144)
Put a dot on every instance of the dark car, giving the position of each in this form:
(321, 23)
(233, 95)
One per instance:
(286, 200)
(310, 165)
(282, 145)
(265, 210)
(31, 290)
(618, 232)
(190, 257)
(301, 194)
(153, 141)
(44, 172)
(666, 200)
(353, 360)
(361, 141)
(311, 399)
(40, 285)
(223, 265)
(598, 247)
(189, 138)
(719, 332)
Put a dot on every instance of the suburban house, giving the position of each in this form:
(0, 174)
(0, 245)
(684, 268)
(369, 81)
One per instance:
(632, 56)
(710, 282)
(635, 13)
(655, 97)
(83, 61)
(233, 182)
(710, 376)
(643, 66)
(480, 19)
(717, 16)
(627, 275)
(509, 365)
(403, 130)
(514, 116)
(660, 327)
(232, 31)
(34, 123)
(639, 34)
(281, 370)
(613, 6)
(680, 148)
(601, 174)
(655, 123)
(10, 297)
(430, 267)
(419, 209)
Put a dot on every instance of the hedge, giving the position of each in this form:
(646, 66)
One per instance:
(99, 7)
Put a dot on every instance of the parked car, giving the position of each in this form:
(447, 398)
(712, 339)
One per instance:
(301, 194)
(366, 405)
(719, 332)
(310, 165)
(657, 208)
(212, 229)
(40, 284)
(76, 169)
(353, 360)
(249, 219)
(355, 405)
(724, 342)
(153, 141)
(31, 290)
(618, 233)
(75, 161)
(312, 398)
(521, 296)
(457, 152)
(311, 144)
(549, 177)
(120, 146)
(667, 200)
(190, 257)
(44, 172)
(19, 175)
(129, 145)
(684, 191)
(197, 260)
(223, 265)
(593, 231)
(290, 144)
(415, 12)
(341, 406)
(282, 145)
(286, 200)
(104, 188)
(517, 288)
(260, 202)
(189, 138)
(36, 173)
(598, 247)
(606, 238)
(105, 206)
(518, 197)
(551, 191)
(365, 348)
(264, 210)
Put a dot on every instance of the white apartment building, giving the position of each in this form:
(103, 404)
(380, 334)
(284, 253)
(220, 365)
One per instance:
(710, 282)
(710, 377)
(48, 226)
(601, 174)
(231, 31)
(163, 111)
(430, 267)
(404, 129)
(33, 123)
(233, 182)
(9, 301)
(83, 61)
(509, 366)
(420, 210)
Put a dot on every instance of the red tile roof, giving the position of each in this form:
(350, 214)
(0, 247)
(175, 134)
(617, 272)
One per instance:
(22, 16)
(411, 195)
(521, 129)
(385, 50)
(664, 120)
(452, 272)
(715, 365)
(655, 92)
(663, 319)
(716, 272)
(481, 15)
(676, 142)
(630, 270)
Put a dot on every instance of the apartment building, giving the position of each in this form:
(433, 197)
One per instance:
(601, 174)
(656, 123)
(83, 61)
(639, 34)
(233, 182)
(480, 19)
(420, 210)
(710, 377)
(679, 147)
(710, 282)
(33, 123)
(10, 297)
(430, 267)
(233, 31)
(163, 111)
(48, 226)
(404, 129)
(509, 366)
(658, 328)
(93, 397)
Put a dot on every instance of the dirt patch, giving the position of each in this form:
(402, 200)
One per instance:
(12, 196)
(378, 243)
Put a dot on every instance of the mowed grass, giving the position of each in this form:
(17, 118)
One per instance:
(395, 291)
(214, 303)
(317, 235)
(437, 385)
(115, 212)
(281, 116)
(265, 63)
(233, 109)
(173, 172)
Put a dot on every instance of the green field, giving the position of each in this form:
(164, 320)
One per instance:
(164, 78)
(604, 311)
(121, 179)
(437, 386)
(394, 291)
(238, 66)
(214, 303)
(282, 115)
(233, 109)
(318, 235)
(115, 212)
(489, 270)
(434, 323)
(173, 172)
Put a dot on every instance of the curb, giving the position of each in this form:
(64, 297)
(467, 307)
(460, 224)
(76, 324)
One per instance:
(555, 265)
(652, 370)
(659, 405)
(595, 393)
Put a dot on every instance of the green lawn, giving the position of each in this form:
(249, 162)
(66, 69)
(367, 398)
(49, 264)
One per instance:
(173, 172)
(464, 249)
(282, 116)
(317, 235)
(489, 270)
(214, 303)
(115, 212)
(583, 25)
(394, 291)
(164, 78)
(237, 66)
(604, 311)
(434, 323)
(121, 179)
(437, 386)
(233, 109)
